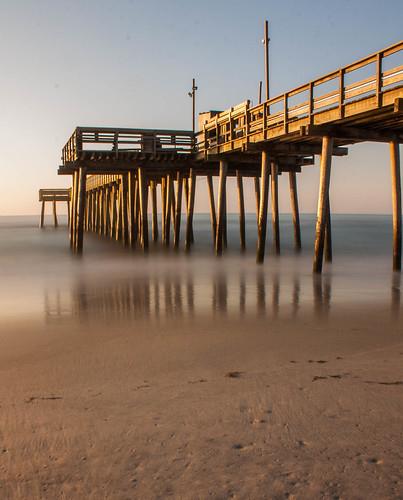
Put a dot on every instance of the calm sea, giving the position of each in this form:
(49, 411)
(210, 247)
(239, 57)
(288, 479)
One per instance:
(41, 280)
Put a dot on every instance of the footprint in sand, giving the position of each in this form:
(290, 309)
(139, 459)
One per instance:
(234, 374)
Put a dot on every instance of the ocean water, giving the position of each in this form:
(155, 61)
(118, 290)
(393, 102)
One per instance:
(41, 281)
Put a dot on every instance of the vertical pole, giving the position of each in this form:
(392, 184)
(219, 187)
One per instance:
(396, 205)
(324, 183)
(221, 207)
(295, 210)
(328, 233)
(190, 210)
(81, 208)
(264, 195)
(68, 213)
(260, 93)
(113, 211)
(118, 232)
(178, 208)
(173, 203)
(54, 214)
(224, 224)
(274, 207)
(73, 221)
(241, 203)
(213, 217)
(163, 206)
(153, 188)
(266, 56)
(125, 219)
(143, 189)
(132, 208)
(168, 209)
(257, 197)
(42, 214)
(187, 195)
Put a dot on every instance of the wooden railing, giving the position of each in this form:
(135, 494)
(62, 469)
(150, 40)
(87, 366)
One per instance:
(306, 104)
(57, 194)
(125, 139)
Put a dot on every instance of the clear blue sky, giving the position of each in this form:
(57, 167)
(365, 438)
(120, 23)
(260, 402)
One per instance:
(129, 63)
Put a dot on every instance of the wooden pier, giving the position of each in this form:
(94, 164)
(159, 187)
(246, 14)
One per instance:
(116, 170)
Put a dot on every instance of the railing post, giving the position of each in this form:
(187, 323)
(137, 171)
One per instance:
(379, 79)
(311, 103)
(341, 93)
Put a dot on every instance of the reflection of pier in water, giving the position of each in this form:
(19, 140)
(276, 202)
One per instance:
(180, 296)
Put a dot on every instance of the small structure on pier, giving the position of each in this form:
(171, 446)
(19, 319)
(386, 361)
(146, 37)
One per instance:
(283, 134)
(54, 196)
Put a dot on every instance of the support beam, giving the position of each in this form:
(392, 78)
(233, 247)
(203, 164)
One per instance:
(295, 210)
(328, 234)
(213, 217)
(221, 207)
(154, 229)
(125, 218)
(324, 184)
(55, 223)
(143, 189)
(82, 174)
(163, 207)
(264, 195)
(396, 205)
(257, 197)
(274, 207)
(168, 208)
(42, 214)
(187, 195)
(74, 204)
(178, 209)
(190, 210)
(241, 204)
(132, 208)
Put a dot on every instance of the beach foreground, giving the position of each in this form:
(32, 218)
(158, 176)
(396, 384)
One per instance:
(223, 382)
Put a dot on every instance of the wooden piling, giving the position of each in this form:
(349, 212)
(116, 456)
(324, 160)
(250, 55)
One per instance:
(42, 215)
(295, 210)
(263, 198)
(154, 229)
(328, 234)
(324, 184)
(257, 197)
(131, 200)
(178, 209)
(221, 207)
(168, 208)
(190, 209)
(143, 191)
(74, 205)
(125, 204)
(55, 223)
(82, 173)
(213, 217)
(396, 205)
(186, 182)
(241, 204)
(274, 207)
(163, 207)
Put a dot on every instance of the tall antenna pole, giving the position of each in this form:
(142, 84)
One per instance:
(193, 96)
(266, 41)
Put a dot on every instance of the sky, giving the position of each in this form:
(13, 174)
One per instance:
(130, 63)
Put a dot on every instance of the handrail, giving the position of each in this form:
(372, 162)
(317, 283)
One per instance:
(225, 129)
(136, 140)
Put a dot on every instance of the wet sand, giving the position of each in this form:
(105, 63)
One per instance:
(185, 379)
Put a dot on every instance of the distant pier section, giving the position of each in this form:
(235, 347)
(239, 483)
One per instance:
(118, 172)
(54, 196)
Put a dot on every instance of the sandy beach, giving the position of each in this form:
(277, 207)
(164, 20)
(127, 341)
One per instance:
(193, 378)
